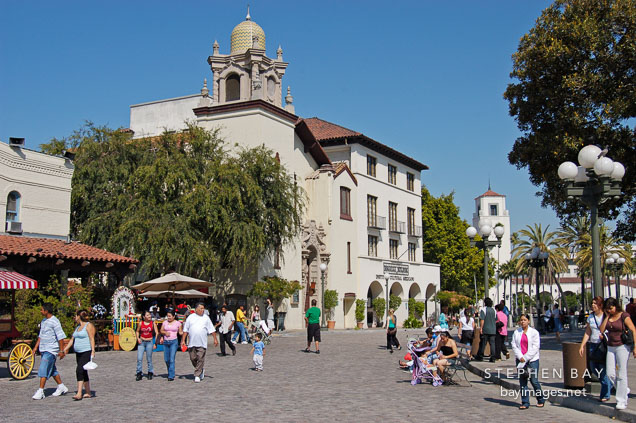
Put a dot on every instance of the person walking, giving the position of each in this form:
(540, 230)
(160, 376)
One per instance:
(631, 309)
(619, 327)
(255, 318)
(258, 349)
(240, 325)
(526, 343)
(502, 333)
(312, 320)
(467, 330)
(224, 326)
(170, 328)
(558, 327)
(83, 341)
(50, 345)
(391, 332)
(443, 318)
(487, 330)
(197, 327)
(597, 348)
(270, 315)
(146, 334)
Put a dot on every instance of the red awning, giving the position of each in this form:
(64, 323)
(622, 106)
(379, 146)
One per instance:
(14, 280)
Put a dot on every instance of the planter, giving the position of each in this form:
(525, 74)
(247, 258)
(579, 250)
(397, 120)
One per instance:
(331, 324)
(360, 325)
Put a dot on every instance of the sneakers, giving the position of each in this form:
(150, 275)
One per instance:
(317, 351)
(202, 374)
(244, 342)
(61, 390)
(197, 379)
(170, 379)
(234, 342)
(618, 406)
(39, 394)
(234, 351)
(139, 376)
(150, 375)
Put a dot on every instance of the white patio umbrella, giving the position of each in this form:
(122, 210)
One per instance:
(189, 293)
(172, 282)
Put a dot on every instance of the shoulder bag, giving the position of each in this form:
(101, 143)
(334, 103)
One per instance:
(627, 337)
(599, 350)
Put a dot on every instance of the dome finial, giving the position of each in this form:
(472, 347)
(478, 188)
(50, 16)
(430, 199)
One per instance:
(204, 90)
(248, 17)
(279, 53)
(215, 48)
(289, 100)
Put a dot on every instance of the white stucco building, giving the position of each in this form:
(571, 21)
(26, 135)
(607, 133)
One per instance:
(35, 192)
(364, 198)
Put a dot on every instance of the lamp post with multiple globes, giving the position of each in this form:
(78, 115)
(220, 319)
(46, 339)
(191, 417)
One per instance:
(615, 263)
(485, 229)
(596, 179)
(537, 259)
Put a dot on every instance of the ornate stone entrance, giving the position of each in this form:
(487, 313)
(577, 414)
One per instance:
(314, 252)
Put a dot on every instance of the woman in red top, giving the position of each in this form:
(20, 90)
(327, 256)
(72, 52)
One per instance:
(617, 323)
(146, 331)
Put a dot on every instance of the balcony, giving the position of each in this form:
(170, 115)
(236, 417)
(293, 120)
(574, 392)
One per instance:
(415, 231)
(376, 222)
(397, 227)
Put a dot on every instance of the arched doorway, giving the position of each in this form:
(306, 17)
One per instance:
(415, 291)
(430, 302)
(375, 290)
(397, 291)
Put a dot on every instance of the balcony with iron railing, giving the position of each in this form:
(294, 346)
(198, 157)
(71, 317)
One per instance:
(415, 231)
(397, 227)
(376, 222)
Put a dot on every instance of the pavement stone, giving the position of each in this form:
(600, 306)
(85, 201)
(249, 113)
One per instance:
(353, 379)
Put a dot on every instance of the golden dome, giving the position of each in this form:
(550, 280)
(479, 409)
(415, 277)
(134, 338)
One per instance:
(242, 36)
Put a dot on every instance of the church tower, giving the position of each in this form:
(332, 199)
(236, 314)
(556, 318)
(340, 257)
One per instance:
(247, 73)
(493, 206)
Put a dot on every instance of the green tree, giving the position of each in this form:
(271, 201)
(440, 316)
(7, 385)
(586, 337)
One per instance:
(394, 302)
(331, 302)
(444, 241)
(379, 307)
(574, 85)
(275, 288)
(361, 306)
(180, 201)
(608, 245)
(570, 236)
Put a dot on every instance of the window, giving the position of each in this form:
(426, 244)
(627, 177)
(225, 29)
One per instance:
(345, 203)
(412, 248)
(410, 216)
(392, 174)
(410, 181)
(393, 248)
(493, 210)
(232, 88)
(373, 246)
(13, 207)
(393, 217)
(348, 257)
(371, 162)
(372, 211)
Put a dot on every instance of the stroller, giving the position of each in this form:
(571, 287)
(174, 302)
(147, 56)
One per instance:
(421, 372)
(260, 326)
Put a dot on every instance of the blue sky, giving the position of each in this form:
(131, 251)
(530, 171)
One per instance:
(425, 77)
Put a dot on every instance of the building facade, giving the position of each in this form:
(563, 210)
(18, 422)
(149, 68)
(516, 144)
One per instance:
(363, 212)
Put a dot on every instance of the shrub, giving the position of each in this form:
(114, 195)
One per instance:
(416, 308)
(453, 300)
(412, 322)
(274, 288)
(394, 302)
(379, 306)
(331, 301)
(361, 306)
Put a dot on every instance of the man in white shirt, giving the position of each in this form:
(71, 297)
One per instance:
(224, 325)
(197, 328)
(50, 343)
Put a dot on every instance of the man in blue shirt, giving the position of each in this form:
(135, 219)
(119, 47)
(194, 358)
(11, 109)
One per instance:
(50, 345)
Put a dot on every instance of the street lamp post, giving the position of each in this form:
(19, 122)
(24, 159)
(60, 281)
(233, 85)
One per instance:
(323, 269)
(615, 263)
(485, 229)
(593, 182)
(386, 290)
(537, 259)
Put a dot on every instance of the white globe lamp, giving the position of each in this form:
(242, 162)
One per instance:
(471, 232)
(499, 231)
(604, 166)
(618, 172)
(588, 156)
(568, 170)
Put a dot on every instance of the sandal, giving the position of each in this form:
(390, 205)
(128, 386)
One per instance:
(523, 407)
(77, 398)
(87, 396)
(604, 399)
(540, 405)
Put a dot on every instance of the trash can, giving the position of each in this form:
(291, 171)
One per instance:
(573, 366)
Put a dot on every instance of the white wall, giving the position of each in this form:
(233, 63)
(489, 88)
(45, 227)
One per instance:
(155, 117)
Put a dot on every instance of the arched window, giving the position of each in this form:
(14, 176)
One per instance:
(232, 88)
(13, 207)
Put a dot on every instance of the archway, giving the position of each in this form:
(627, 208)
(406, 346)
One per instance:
(398, 291)
(415, 291)
(375, 290)
(430, 301)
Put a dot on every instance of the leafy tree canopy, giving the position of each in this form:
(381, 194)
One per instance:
(179, 201)
(444, 241)
(575, 85)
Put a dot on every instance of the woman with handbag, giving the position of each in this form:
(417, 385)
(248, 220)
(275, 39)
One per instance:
(84, 341)
(391, 332)
(597, 348)
(620, 342)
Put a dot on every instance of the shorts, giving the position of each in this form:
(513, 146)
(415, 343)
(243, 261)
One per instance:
(47, 367)
(313, 332)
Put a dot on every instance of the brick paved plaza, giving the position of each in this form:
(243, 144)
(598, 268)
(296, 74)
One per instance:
(353, 379)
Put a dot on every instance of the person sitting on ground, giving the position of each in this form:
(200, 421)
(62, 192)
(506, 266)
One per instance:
(446, 353)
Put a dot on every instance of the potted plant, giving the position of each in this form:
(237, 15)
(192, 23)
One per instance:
(361, 305)
(379, 305)
(331, 301)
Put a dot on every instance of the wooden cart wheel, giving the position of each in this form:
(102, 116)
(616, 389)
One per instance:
(21, 360)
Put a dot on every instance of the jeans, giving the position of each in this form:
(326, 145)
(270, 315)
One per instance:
(241, 329)
(617, 358)
(47, 367)
(598, 370)
(500, 345)
(169, 354)
(145, 346)
(530, 371)
(490, 338)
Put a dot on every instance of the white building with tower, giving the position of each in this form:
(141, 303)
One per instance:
(363, 212)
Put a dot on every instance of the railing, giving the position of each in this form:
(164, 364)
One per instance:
(397, 227)
(415, 231)
(377, 222)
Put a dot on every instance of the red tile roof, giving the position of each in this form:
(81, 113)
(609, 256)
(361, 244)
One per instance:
(55, 248)
(490, 193)
(341, 167)
(324, 130)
